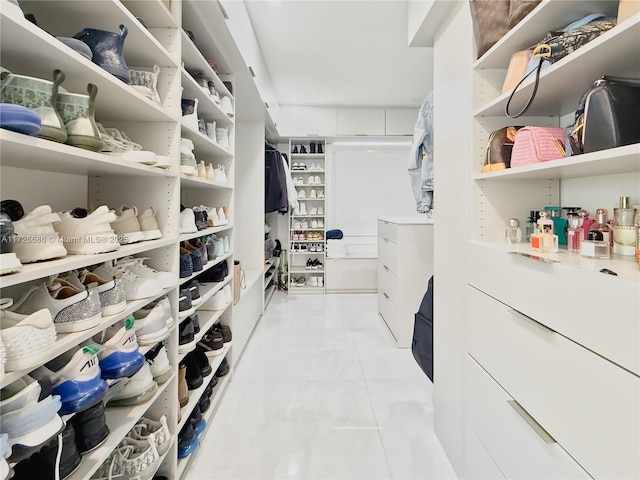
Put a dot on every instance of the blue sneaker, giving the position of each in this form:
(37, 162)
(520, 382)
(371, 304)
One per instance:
(187, 441)
(19, 119)
(119, 355)
(76, 379)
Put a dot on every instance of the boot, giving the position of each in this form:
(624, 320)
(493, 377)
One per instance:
(146, 83)
(303, 149)
(107, 48)
(183, 391)
(320, 148)
(295, 149)
(76, 111)
(39, 95)
(312, 147)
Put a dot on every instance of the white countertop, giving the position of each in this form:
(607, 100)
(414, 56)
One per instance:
(413, 220)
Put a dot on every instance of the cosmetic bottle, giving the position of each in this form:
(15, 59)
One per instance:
(602, 226)
(595, 246)
(545, 224)
(638, 236)
(624, 231)
(586, 222)
(574, 234)
(513, 233)
(559, 224)
(531, 226)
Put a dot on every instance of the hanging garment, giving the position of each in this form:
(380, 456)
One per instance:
(275, 182)
(291, 190)
(421, 158)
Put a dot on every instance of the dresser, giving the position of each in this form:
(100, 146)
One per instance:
(405, 264)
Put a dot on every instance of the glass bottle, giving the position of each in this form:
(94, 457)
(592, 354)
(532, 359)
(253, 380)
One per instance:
(637, 222)
(602, 226)
(531, 226)
(513, 233)
(559, 224)
(624, 231)
(545, 224)
(595, 245)
(586, 222)
(574, 234)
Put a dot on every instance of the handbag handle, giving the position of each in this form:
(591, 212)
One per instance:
(535, 85)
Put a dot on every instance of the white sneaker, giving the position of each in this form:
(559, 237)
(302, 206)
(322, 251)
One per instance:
(159, 428)
(303, 208)
(314, 223)
(226, 106)
(320, 223)
(296, 225)
(137, 389)
(302, 194)
(187, 221)
(86, 233)
(313, 194)
(202, 170)
(137, 266)
(111, 292)
(310, 180)
(304, 224)
(72, 310)
(222, 217)
(210, 173)
(318, 180)
(221, 176)
(149, 225)
(312, 281)
(226, 291)
(222, 137)
(191, 120)
(159, 364)
(166, 307)
(118, 145)
(313, 211)
(27, 339)
(218, 301)
(129, 461)
(320, 281)
(127, 225)
(225, 244)
(321, 194)
(38, 224)
(135, 287)
(162, 161)
(320, 211)
(150, 325)
(212, 216)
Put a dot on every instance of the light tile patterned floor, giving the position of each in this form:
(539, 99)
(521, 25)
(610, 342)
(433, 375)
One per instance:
(323, 393)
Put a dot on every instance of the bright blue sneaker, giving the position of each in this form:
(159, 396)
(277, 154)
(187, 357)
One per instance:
(19, 119)
(119, 355)
(76, 379)
(187, 441)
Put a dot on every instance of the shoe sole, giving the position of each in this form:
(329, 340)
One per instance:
(143, 157)
(131, 237)
(214, 353)
(9, 263)
(187, 347)
(54, 134)
(136, 399)
(82, 399)
(113, 309)
(79, 325)
(152, 234)
(187, 450)
(19, 119)
(153, 338)
(92, 244)
(186, 313)
(164, 376)
(51, 251)
(85, 142)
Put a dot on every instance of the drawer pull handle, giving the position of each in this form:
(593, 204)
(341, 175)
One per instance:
(531, 422)
(521, 315)
(385, 240)
(385, 295)
(385, 267)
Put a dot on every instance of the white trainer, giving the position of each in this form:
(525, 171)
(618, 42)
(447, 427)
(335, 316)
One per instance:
(27, 339)
(188, 221)
(312, 281)
(150, 325)
(221, 176)
(137, 389)
(313, 194)
(159, 363)
(222, 217)
(302, 194)
(161, 437)
(166, 307)
(149, 225)
(218, 301)
(321, 194)
(86, 233)
(320, 281)
(137, 266)
(38, 224)
(226, 290)
(210, 173)
(135, 287)
(127, 225)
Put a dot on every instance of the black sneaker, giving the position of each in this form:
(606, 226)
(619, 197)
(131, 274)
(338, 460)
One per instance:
(205, 401)
(202, 220)
(203, 361)
(212, 343)
(197, 421)
(196, 323)
(225, 331)
(91, 428)
(186, 332)
(194, 288)
(223, 369)
(185, 306)
(187, 441)
(193, 373)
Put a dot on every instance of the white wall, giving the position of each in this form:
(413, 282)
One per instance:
(453, 89)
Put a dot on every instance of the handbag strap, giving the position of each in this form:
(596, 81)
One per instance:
(533, 92)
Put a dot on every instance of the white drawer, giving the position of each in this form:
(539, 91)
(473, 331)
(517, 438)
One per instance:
(388, 254)
(517, 444)
(588, 404)
(388, 230)
(388, 311)
(388, 283)
(582, 310)
(478, 464)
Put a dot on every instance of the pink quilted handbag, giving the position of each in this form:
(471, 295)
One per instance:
(537, 144)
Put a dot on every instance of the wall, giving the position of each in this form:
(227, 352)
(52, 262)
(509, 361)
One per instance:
(452, 153)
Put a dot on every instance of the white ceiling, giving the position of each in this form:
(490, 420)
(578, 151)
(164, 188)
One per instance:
(341, 53)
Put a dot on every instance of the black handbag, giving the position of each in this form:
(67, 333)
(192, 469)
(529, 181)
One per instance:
(422, 343)
(608, 115)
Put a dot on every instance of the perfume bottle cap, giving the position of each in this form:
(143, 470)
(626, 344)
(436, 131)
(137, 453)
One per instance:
(574, 222)
(513, 222)
(555, 211)
(533, 216)
(571, 210)
(583, 213)
(601, 215)
(544, 214)
(625, 202)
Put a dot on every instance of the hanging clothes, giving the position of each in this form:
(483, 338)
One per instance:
(421, 158)
(291, 189)
(275, 181)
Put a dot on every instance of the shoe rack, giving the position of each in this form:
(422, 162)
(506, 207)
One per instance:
(37, 172)
(307, 224)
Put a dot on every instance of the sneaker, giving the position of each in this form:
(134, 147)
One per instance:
(135, 287)
(195, 419)
(321, 194)
(166, 306)
(85, 233)
(119, 355)
(320, 211)
(76, 378)
(132, 460)
(303, 208)
(205, 400)
(312, 281)
(9, 262)
(119, 145)
(187, 441)
(223, 369)
(91, 428)
(313, 194)
(201, 217)
(188, 164)
(185, 306)
(186, 339)
(193, 375)
(202, 360)
(153, 431)
(222, 139)
(194, 289)
(314, 223)
(159, 363)
(27, 339)
(320, 223)
(127, 226)
(228, 296)
(212, 344)
(302, 194)
(187, 221)
(218, 302)
(300, 281)
(137, 266)
(183, 391)
(225, 331)
(136, 390)
(150, 325)
(196, 256)
(226, 106)
(186, 263)
(163, 161)
(111, 293)
(190, 113)
(226, 247)
(149, 225)
(320, 281)
(313, 211)
(72, 310)
(37, 224)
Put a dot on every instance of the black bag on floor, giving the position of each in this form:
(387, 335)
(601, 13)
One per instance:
(422, 344)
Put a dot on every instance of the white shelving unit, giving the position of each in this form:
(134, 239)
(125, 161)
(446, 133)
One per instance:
(270, 278)
(37, 172)
(304, 166)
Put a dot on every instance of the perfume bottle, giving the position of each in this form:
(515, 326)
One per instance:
(545, 224)
(531, 226)
(624, 232)
(513, 233)
(595, 245)
(602, 226)
(559, 224)
(637, 222)
(586, 222)
(574, 234)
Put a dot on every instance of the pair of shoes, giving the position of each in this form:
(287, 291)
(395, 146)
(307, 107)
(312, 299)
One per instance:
(314, 264)
(189, 436)
(131, 227)
(315, 167)
(298, 282)
(205, 400)
(299, 247)
(159, 363)
(302, 194)
(186, 308)
(64, 117)
(118, 145)
(298, 181)
(222, 137)
(207, 86)
(316, 247)
(216, 274)
(188, 328)
(221, 300)
(302, 209)
(206, 172)
(197, 367)
(315, 281)
(152, 323)
(298, 166)
(314, 180)
(140, 281)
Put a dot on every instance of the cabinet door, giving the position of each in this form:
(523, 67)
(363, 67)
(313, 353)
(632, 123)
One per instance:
(400, 122)
(360, 121)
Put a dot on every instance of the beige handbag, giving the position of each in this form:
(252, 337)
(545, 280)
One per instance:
(517, 69)
(627, 9)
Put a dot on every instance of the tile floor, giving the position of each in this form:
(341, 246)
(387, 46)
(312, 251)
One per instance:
(322, 393)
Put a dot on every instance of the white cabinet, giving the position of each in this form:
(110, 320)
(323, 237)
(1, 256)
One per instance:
(360, 121)
(400, 121)
(297, 121)
(405, 264)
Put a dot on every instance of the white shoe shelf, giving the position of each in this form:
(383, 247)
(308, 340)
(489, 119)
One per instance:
(297, 259)
(36, 171)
